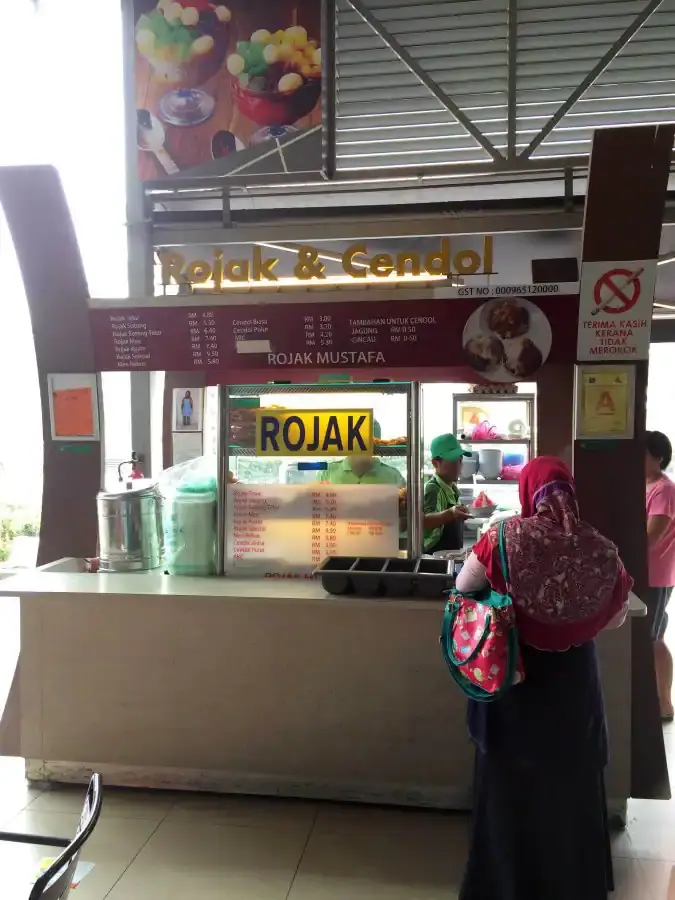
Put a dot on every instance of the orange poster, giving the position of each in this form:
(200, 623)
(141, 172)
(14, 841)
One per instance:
(73, 412)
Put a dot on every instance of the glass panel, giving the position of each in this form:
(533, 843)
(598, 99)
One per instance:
(483, 418)
(116, 424)
(366, 493)
(502, 446)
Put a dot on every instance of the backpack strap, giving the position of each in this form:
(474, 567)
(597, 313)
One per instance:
(502, 554)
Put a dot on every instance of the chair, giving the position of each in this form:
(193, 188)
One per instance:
(54, 883)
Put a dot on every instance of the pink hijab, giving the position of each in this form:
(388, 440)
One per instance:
(566, 580)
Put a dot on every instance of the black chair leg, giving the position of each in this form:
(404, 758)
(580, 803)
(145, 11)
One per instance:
(39, 840)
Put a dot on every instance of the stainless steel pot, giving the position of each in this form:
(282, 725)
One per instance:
(130, 531)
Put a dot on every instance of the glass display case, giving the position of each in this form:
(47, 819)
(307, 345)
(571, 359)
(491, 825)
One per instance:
(316, 470)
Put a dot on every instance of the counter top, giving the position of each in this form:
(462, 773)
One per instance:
(228, 588)
(63, 577)
(636, 608)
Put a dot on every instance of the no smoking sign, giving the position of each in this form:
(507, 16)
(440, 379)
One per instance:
(615, 310)
(617, 291)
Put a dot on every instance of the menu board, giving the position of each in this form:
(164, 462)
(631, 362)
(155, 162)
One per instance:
(292, 528)
(295, 336)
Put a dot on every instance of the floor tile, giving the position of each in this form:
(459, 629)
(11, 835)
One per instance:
(340, 817)
(112, 847)
(209, 861)
(123, 803)
(240, 811)
(630, 880)
(413, 856)
(658, 881)
(649, 832)
(15, 792)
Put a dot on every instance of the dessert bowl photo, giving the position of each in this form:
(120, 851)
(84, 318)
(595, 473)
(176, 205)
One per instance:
(507, 319)
(507, 339)
(484, 353)
(276, 77)
(184, 43)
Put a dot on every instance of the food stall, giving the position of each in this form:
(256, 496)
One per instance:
(268, 683)
(262, 678)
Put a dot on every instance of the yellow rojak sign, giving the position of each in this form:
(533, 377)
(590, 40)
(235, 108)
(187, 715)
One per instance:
(444, 260)
(314, 432)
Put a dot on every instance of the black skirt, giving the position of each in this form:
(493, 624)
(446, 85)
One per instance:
(540, 829)
(537, 834)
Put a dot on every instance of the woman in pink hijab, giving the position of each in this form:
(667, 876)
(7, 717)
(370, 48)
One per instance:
(540, 814)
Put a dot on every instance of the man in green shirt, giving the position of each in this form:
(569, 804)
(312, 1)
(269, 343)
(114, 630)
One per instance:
(444, 516)
(363, 469)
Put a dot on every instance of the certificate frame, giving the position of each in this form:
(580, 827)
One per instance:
(616, 383)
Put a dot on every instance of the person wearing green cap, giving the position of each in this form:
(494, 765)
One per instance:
(363, 469)
(443, 514)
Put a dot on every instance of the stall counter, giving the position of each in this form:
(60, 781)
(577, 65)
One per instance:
(251, 685)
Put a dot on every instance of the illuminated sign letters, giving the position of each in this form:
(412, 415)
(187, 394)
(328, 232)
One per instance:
(216, 273)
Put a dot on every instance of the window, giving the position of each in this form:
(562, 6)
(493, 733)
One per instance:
(76, 83)
(21, 448)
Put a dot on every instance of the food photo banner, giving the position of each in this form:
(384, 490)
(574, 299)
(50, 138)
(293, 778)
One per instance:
(504, 338)
(230, 88)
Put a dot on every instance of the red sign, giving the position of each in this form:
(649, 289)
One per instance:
(291, 338)
(617, 291)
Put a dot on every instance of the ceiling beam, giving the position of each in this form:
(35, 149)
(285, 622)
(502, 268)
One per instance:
(370, 228)
(442, 96)
(592, 76)
(512, 82)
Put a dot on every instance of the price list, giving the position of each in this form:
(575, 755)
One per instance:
(131, 339)
(281, 336)
(324, 525)
(326, 331)
(275, 528)
(204, 343)
(249, 509)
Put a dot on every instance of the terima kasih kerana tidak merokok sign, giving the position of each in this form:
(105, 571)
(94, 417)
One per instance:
(448, 258)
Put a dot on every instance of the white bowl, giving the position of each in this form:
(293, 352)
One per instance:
(482, 512)
(491, 462)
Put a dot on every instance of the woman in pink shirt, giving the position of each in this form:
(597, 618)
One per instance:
(661, 546)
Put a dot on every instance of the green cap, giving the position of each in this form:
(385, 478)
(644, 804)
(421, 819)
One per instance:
(446, 446)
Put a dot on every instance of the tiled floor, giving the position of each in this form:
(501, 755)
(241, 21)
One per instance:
(156, 846)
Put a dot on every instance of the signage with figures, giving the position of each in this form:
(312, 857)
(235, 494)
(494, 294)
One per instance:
(370, 334)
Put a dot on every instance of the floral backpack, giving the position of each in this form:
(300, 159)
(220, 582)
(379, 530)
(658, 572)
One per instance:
(479, 639)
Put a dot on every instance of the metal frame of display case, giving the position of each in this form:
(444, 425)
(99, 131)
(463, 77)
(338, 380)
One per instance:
(412, 452)
(528, 399)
